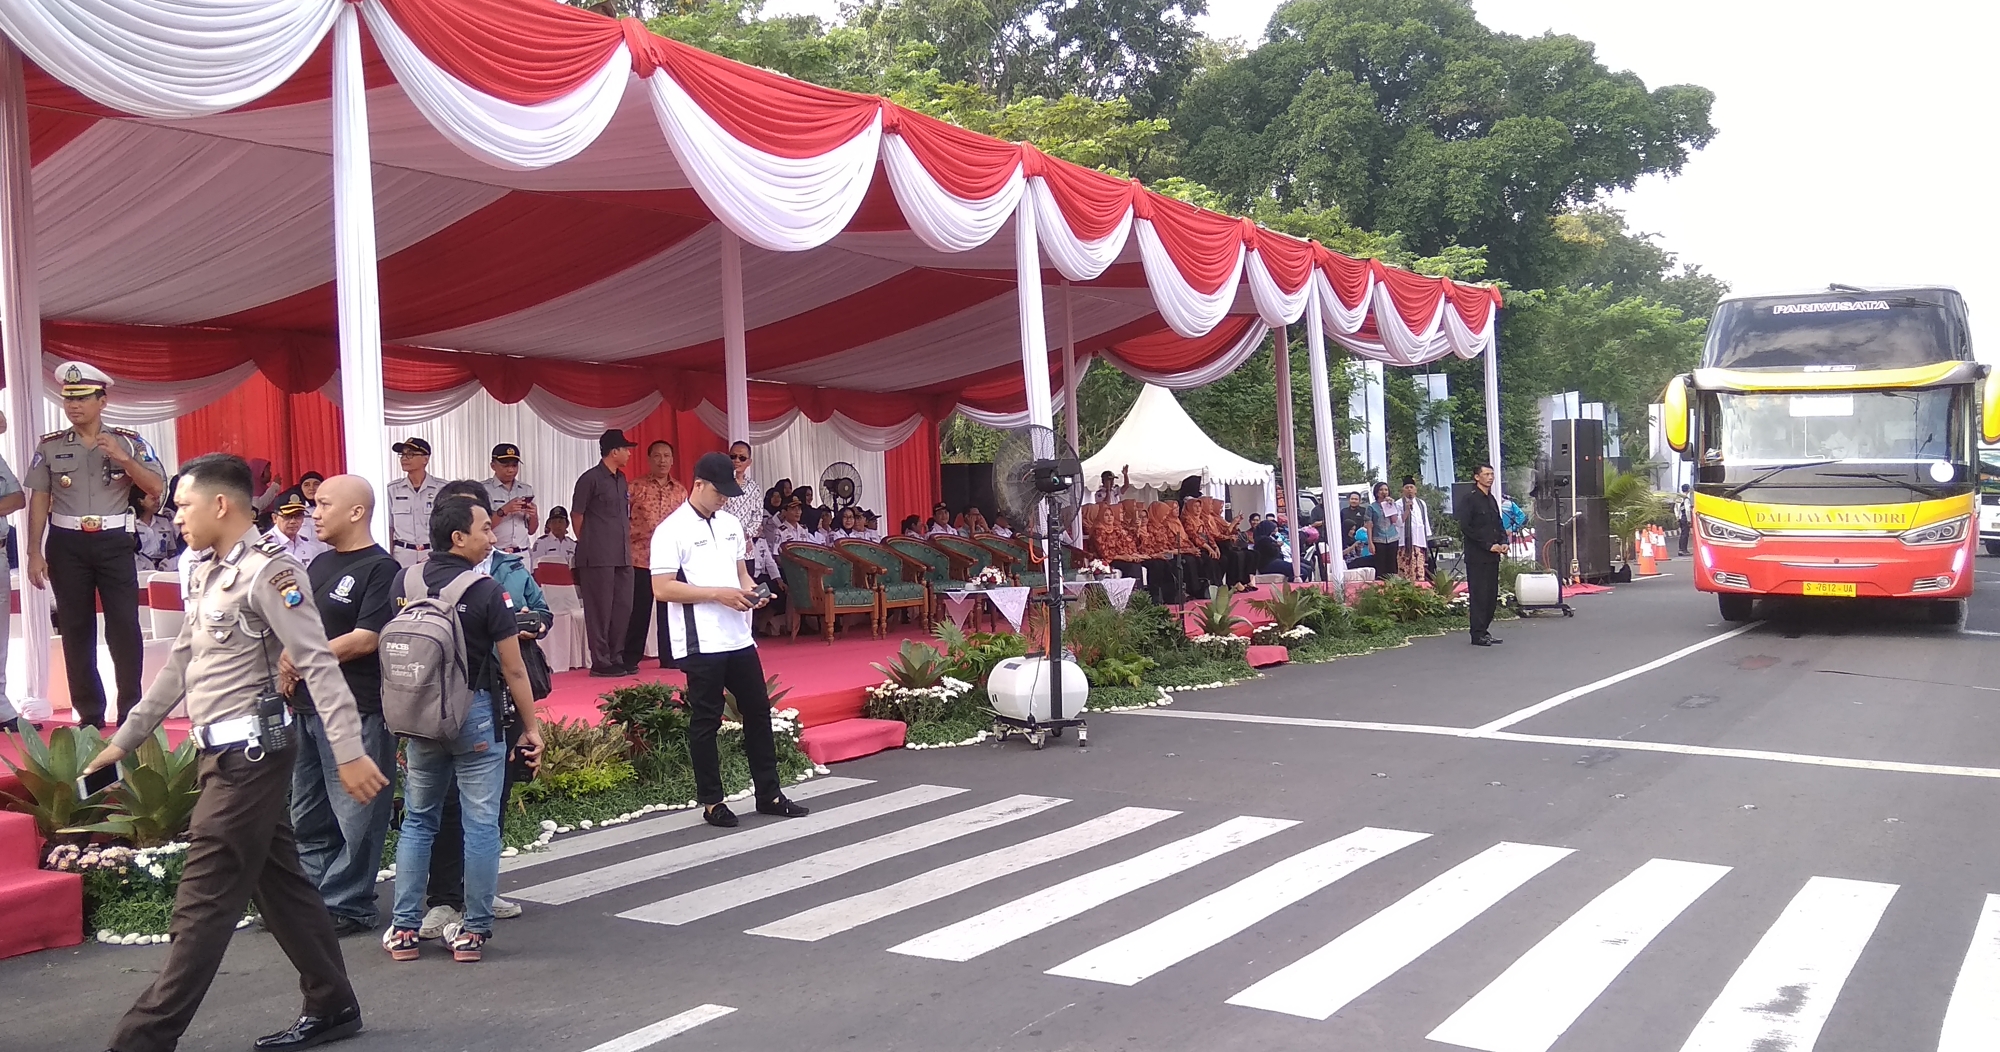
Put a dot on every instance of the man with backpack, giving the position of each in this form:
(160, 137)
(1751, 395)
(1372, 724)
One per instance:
(445, 657)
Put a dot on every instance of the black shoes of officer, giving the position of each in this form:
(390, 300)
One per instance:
(719, 816)
(1487, 641)
(782, 808)
(312, 1031)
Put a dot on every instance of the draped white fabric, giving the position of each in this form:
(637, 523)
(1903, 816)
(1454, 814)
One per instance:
(871, 438)
(402, 409)
(1077, 259)
(1188, 311)
(357, 289)
(151, 403)
(1339, 317)
(1464, 342)
(784, 204)
(761, 431)
(502, 133)
(1274, 305)
(1403, 345)
(1003, 420)
(462, 442)
(1239, 353)
(583, 421)
(942, 219)
(170, 58)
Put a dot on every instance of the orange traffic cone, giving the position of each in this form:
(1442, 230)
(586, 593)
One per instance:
(1647, 567)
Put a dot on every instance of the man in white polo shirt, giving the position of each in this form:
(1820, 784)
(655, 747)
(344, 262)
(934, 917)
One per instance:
(699, 571)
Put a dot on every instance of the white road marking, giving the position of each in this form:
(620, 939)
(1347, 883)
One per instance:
(1327, 979)
(1051, 906)
(1972, 1022)
(1808, 759)
(1612, 680)
(1191, 929)
(647, 1037)
(805, 872)
(599, 839)
(647, 867)
(1541, 995)
(1977, 632)
(1782, 993)
(852, 912)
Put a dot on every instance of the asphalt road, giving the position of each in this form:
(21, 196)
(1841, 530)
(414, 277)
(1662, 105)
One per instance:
(1778, 840)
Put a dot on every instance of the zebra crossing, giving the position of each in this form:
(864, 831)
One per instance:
(1780, 996)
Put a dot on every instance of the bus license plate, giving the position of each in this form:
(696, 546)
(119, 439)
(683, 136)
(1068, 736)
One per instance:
(1839, 588)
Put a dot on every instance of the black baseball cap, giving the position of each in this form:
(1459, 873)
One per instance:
(507, 451)
(411, 445)
(614, 439)
(716, 470)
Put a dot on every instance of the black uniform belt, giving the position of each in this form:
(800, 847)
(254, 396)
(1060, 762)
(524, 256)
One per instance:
(413, 547)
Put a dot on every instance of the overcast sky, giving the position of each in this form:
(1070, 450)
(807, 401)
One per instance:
(1857, 142)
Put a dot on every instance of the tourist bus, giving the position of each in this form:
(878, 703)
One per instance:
(1835, 441)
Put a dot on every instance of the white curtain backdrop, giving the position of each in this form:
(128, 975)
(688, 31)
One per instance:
(803, 453)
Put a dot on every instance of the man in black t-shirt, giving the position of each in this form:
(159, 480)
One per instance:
(340, 841)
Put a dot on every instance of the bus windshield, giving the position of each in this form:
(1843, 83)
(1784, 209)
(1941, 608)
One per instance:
(1846, 330)
(1901, 427)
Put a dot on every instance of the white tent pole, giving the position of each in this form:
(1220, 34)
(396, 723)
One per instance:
(21, 338)
(1281, 363)
(357, 297)
(1323, 436)
(1034, 328)
(1070, 426)
(735, 357)
(1493, 408)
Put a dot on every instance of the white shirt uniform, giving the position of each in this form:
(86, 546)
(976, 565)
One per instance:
(511, 532)
(551, 549)
(935, 530)
(410, 518)
(304, 549)
(705, 552)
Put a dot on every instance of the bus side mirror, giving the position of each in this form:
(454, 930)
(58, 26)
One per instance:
(1989, 405)
(1674, 414)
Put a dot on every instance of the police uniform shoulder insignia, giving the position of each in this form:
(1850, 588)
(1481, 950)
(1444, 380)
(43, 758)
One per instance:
(287, 584)
(52, 436)
(292, 596)
(269, 544)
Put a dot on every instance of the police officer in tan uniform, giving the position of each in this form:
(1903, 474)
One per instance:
(410, 500)
(82, 479)
(248, 604)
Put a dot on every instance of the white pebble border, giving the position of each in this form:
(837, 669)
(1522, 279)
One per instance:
(111, 938)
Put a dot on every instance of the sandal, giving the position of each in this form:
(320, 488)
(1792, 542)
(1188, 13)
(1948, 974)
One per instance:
(466, 947)
(402, 944)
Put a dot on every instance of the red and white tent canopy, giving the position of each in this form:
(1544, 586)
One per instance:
(554, 196)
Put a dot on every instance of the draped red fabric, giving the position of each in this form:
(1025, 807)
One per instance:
(51, 130)
(1473, 303)
(775, 114)
(1204, 245)
(524, 51)
(163, 353)
(879, 209)
(1288, 259)
(688, 435)
(1416, 297)
(968, 164)
(522, 248)
(911, 473)
(1167, 351)
(1092, 202)
(295, 432)
(1347, 275)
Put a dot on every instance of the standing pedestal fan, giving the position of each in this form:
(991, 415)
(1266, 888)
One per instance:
(1038, 482)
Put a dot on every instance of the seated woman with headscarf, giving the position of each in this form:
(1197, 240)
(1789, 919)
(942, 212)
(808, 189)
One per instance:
(1270, 554)
(1159, 551)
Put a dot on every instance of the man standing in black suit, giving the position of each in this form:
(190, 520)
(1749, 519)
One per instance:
(1485, 542)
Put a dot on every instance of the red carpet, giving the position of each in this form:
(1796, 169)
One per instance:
(1584, 588)
(43, 910)
(1265, 657)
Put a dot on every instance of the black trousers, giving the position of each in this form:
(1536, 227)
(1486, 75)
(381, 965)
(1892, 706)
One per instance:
(241, 850)
(606, 594)
(1387, 554)
(1163, 580)
(740, 672)
(1482, 584)
(86, 569)
(1687, 528)
(447, 880)
(645, 612)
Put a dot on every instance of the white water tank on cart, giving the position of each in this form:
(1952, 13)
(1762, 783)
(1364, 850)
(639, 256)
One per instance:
(1019, 688)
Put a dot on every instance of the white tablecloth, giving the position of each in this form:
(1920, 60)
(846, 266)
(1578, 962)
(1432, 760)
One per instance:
(567, 645)
(1011, 602)
(1116, 589)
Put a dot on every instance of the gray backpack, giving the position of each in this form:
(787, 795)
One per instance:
(426, 692)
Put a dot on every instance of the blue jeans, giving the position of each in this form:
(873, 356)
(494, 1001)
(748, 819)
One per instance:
(340, 841)
(478, 761)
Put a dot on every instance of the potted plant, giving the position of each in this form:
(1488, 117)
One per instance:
(915, 687)
(1218, 619)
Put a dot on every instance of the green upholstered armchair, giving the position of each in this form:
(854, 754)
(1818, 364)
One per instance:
(820, 582)
(901, 581)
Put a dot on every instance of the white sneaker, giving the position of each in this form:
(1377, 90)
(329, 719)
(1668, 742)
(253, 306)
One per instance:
(505, 910)
(435, 921)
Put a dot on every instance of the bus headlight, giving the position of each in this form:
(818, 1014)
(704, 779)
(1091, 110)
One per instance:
(1950, 531)
(1721, 532)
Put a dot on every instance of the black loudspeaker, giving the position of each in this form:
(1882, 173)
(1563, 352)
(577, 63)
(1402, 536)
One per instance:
(968, 486)
(1578, 445)
(1579, 535)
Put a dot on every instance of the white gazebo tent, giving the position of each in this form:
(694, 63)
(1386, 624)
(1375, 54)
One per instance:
(1162, 445)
